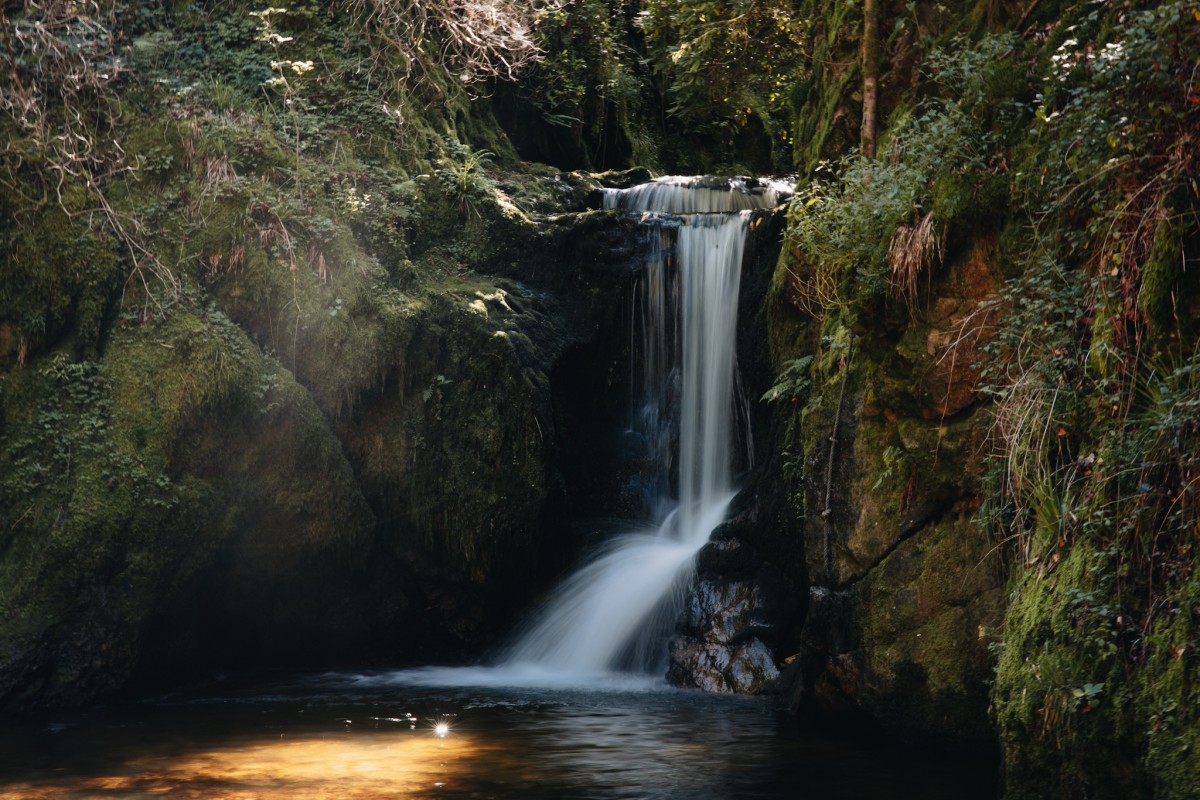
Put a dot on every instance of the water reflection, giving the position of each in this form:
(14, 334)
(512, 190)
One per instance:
(392, 764)
(664, 753)
(336, 738)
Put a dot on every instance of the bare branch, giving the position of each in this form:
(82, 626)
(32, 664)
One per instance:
(474, 40)
(63, 59)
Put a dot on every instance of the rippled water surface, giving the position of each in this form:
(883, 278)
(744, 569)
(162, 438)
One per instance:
(376, 736)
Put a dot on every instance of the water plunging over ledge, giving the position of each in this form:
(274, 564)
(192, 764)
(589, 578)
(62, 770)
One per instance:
(551, 721)
(610, 620)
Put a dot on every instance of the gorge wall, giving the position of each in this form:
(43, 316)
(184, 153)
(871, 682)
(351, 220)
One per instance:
(301, 363)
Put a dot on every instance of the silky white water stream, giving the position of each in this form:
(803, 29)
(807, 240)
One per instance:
(604, 616)
(609, 620)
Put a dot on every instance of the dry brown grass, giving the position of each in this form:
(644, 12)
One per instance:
(217, 171)
(812, 286)
(913, 251)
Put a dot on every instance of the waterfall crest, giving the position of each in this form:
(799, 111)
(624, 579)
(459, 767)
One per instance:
(679, 194)
(615, 612)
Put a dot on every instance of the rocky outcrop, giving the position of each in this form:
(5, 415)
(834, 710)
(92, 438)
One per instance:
(907, 595)
(130, 477)
(908, 644)
(461, 449)
(744, 668)
(353, 459)
(732, 620)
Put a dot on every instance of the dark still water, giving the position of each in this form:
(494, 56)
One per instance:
(339, 736)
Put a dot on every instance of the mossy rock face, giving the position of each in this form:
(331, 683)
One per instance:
(908, 429)
(56, 275)
(1168, 693)
(929, 613)
(908, 474)
(913, 594)
(907, 593)
(1061, 703)
(451, 447)
(896, 466)
(1162, 272)
(286, 527)
(461, 446)
(129, 478)
(1074, 716)
(187, 501)
(83, 543)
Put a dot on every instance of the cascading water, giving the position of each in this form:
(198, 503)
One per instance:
(607, 625)
(612, 613)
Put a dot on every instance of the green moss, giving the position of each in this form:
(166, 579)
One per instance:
(247, 140)
(969, 203)
(1103, 356)
(821, 129)
(112, 471)
(929, 614)
(1161, 273)
(83, 546)
(1168, 700)
(304, 288)
(157, 149)
(824, 115)
(465, 426)
(56, 274)
(191, 363)
(1061, 701)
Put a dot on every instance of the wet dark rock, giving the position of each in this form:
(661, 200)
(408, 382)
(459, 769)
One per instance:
(825, 676)
(623, 178)
(732, 620)
(730, 568)
(724, 613)
(727, 557)
(746, 668)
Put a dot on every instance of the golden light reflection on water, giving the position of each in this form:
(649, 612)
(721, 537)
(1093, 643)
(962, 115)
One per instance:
(351, 766)
(672, 746)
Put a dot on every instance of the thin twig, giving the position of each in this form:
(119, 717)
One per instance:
(837, 416)
(12, 56)
(1028, 11)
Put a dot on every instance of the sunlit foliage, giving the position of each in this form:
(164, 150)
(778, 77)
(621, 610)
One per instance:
(724, 62)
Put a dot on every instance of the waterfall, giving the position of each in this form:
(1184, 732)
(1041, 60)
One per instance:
(614, 612)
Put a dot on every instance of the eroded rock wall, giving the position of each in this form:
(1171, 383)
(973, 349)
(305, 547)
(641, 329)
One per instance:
(906, 594)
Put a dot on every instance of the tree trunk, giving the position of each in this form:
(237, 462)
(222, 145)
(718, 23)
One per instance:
(870, 69)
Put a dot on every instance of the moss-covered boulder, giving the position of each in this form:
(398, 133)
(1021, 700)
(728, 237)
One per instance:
(455, 450)
(127, 478)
